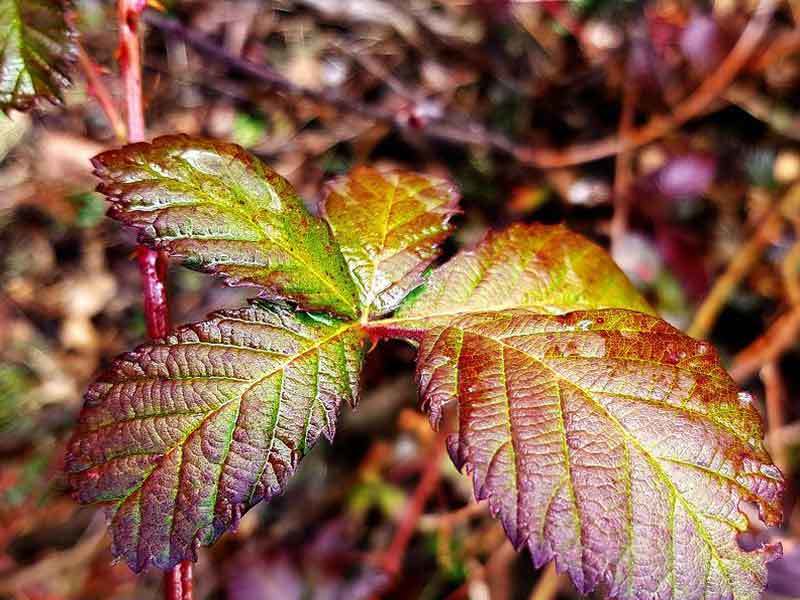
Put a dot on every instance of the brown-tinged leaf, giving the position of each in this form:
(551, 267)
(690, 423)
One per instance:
(610, 441)
(183, 435)
(389, 226)
(546, 268)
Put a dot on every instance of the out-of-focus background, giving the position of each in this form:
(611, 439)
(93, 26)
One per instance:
(668, 130)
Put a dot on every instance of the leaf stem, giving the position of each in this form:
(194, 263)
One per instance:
(152, 264)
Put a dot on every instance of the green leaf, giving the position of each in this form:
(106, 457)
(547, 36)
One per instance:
(226, 212)
(389, 226)
(545, 268)
(183, 435)
(610, 441)
(35, 51)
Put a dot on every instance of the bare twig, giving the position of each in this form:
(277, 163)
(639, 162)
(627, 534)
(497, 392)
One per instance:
(460, 130)
(741, 264)
(393, 559)
(548, 584)
(98, 89)
(468, 133)
(779, 337)
(780, 119)
(790, 269)
(782, 333)
(744, 260)
(710, 90)
(439, 129)
(775, 395)
(623, 175)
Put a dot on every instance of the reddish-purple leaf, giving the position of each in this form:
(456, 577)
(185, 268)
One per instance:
(610, 441)
(226, 212)
(389, 226)
(183, 435)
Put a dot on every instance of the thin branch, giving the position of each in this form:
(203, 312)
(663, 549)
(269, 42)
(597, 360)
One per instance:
(775, 394)
(779, 118)
(152, 263)
(98, 89)
(548, 584)
(623, 176)
(130, 64)
(460, 130)
(741, 264)
(777, 339)
(710, 90)
(439, 129)
(395, 554)
(781, 334)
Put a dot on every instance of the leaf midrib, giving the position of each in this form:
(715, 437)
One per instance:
(343, 329)
(264, 237)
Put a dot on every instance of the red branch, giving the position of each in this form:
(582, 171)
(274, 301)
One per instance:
(98, 89)
(428, 483)
(178, 582)
(152, 264)
(153, 267)
(459, 130)
(130, 64)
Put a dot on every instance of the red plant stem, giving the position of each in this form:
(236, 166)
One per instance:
(98, 89)
(130, 64)
(393, 559)
(153, 267)
(152, 264)
(178, 582)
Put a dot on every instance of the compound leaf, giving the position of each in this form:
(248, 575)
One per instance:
(227, 213)
(546, 268)
(183, 435)
(389, 226)
(609, 441)
(35, 51)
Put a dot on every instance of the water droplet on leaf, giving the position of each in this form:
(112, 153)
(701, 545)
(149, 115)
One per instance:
(771, 471)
